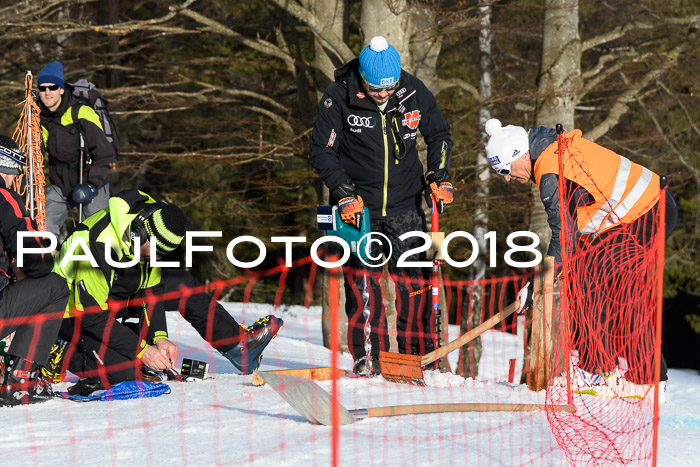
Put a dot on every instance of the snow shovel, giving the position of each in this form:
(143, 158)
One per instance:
(404, 368)
(317, 374)
(315, 404)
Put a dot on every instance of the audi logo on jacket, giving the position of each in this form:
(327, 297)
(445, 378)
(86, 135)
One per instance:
(354, 140)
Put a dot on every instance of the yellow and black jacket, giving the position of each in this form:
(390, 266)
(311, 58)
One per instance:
(96, 286)
(61, 141)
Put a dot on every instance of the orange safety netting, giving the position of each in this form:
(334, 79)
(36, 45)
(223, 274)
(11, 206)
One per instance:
(27, 135)
(611, 291)
(508, 423)
(268, 430)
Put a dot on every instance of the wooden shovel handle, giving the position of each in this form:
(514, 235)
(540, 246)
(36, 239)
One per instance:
(457, 407)
(467, 337)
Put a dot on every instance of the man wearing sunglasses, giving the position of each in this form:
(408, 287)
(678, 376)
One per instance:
(364, 149)
(611, 209)
(67, 129)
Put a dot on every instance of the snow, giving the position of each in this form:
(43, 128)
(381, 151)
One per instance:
(226, 420)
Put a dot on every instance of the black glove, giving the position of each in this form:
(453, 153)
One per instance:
(350, 204)
(84, 193)
(438, 186)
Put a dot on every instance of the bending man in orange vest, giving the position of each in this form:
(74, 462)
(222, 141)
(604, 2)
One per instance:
(604, 192)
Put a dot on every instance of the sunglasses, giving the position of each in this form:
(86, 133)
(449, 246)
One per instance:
(505, 170)
(52, 87)
(375, 89)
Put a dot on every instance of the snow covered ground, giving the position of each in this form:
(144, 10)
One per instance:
(226, 420)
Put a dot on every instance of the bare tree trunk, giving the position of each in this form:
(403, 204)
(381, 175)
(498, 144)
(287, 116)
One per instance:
(559, 80)
(391, 20)
(480, 217)
(333, 14)
(425, 45)
(559, 83)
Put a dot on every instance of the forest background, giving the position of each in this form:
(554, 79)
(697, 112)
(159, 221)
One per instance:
(215, 101)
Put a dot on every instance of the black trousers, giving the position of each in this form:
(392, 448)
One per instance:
(413, 301)
(615, 253)
(33, 298)
(205, 314)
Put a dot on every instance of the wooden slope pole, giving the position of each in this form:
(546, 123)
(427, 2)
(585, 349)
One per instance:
(541, 344)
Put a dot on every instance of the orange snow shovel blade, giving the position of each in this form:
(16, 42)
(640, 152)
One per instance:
(401, 368)
(317, 374)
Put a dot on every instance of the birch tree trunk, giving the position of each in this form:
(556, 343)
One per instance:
(481, 219)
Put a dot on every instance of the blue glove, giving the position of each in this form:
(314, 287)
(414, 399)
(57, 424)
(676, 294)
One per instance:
(84, 193)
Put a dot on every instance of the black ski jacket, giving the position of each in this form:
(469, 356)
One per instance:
(353, 140)
(61, 138)
(13, 219)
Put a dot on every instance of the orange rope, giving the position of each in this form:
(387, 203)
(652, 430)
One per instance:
(418, 292)
(29, 119)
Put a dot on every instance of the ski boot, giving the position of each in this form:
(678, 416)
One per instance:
(247, 354)
(359, 368)
(53, 370)
(24, 386)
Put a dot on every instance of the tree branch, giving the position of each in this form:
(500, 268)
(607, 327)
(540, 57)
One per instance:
(635, 25)
(118, 29)
(443, 84)
(620, 107)
(256, 44)
(681, 105)
(617, 66)
(272, 116)
(669, 143)
(603, 59)
(323, 33)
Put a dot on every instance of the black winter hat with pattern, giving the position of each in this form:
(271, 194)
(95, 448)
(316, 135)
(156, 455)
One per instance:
(168, 226)
(11, 159)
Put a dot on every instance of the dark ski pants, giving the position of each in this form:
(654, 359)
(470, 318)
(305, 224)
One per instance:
(44, 300)
(413, 302)
(203, 312)
(58, 206)
(609, 335)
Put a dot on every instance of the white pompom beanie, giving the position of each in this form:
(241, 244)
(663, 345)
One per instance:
(505, 144)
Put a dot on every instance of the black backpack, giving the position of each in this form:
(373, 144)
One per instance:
(88, 94)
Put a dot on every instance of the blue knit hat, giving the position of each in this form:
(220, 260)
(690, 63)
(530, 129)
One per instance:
(52, 73)
(380, 63)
